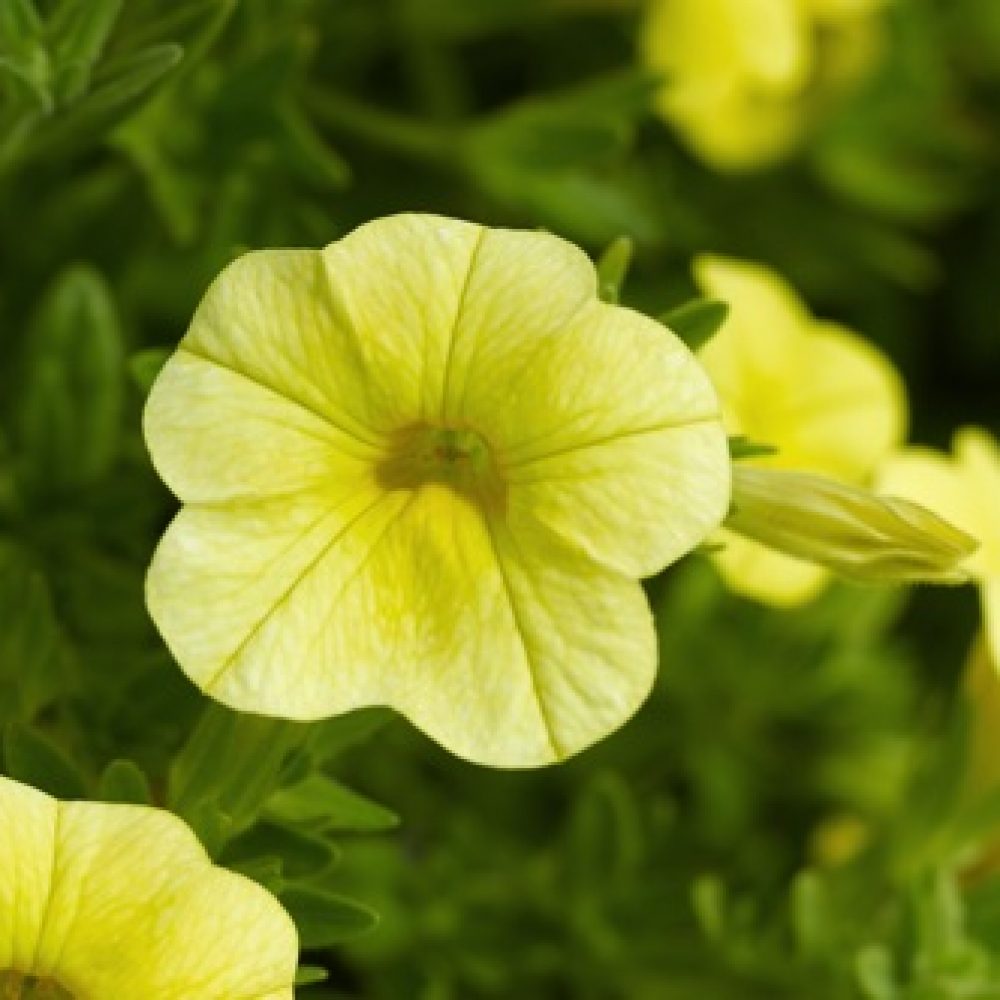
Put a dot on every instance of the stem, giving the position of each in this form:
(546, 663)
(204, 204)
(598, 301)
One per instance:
(227, 770)
(408, 136)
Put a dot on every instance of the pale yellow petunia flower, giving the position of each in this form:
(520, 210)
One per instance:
(828, 400)
(965, 488)
(425, 467)
(745, 79)
(119, 902)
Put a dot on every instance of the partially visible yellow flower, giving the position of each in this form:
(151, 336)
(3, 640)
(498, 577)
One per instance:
(828, 400)
(745, 79)
(965, 488)
(425, 467)
(113, 901)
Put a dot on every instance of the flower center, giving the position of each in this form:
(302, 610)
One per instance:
(458, 457)
(17, 986)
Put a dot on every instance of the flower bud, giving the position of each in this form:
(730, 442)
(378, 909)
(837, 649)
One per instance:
(861, 536)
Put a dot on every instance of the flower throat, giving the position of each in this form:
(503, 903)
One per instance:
(17, 986)
(457, 457)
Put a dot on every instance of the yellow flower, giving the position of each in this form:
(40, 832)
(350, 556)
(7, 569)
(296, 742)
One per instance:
(744, 79)
(966, 489)
(424, 467)
(824, 397)
(112, 901)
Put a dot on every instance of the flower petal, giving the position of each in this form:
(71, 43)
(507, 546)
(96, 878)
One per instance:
(218, 437)
(27, 844)
(708, 47)
(410, 607)
(825, 397)
(634, 503)
(126, 904)
(272, 317)
(401, 284)
(752, 352)
(221, 573)
(845, 410)
(978, 456)
(774, 44)
(138, 912)
(523, 292)
(609, 433)
(586, 635)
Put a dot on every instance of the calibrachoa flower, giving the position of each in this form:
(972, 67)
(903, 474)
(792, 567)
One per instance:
(965, 488)
(824, 397)
(105, 901)
(424, 467)
(745, 79)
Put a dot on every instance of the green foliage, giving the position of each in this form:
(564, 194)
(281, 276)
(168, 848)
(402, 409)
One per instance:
(124, 781)
(612, 268)
(69, 415)
(35, 659)
(788, 816)
(31, 757)
(696, 321)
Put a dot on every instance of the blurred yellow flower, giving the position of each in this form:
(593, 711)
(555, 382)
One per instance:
(823, 396)
(965, 488)
(424, 467)
(745, 79)
(112, 901)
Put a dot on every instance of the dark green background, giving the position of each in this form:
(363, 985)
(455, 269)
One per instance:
(144, 144)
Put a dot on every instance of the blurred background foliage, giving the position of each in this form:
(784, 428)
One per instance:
(806, 805)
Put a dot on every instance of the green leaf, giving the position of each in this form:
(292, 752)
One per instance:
(811, 919)
(145, 365)
(308, 150)
(23, 52)
(585, 126)
(874, 971)
(212, 825)
(301, 853)
(612, 268)
(229, 767)
(19, 21)
(335, 735)
(68, 421)
(129, 77)
(594, 207)
(708, 899)
(325, 918)
(743, 447)
(32, 758)
(124, 781)
(321, 802)
(267, 871)
(696, 322)
(605, 836)
(174, 22)
(34, 655)
(79, 31)
(537, 139)
(309, 974)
